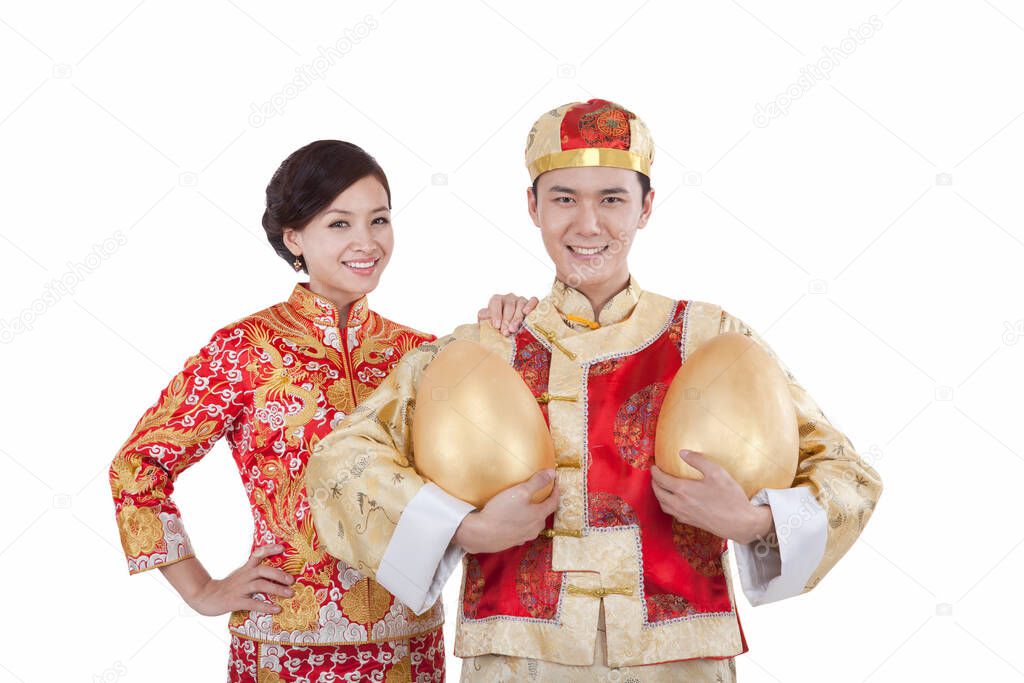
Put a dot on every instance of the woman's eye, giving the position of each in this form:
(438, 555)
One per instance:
(339, 224)
(380, 220)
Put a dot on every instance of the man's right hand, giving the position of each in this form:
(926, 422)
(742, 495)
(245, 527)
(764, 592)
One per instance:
(509, 519)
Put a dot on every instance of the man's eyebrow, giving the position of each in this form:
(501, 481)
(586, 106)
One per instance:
(568, 190)
(345, 211)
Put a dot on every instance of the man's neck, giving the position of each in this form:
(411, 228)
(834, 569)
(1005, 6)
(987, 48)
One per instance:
(599, 294)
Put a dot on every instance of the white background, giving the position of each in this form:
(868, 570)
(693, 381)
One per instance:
(873, 234)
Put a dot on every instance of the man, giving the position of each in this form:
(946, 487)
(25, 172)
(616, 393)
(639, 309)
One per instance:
(624, 571)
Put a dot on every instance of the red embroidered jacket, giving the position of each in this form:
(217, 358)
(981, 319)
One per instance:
(274, 383)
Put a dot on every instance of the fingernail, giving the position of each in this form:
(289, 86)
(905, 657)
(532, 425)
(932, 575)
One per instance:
(289, 593)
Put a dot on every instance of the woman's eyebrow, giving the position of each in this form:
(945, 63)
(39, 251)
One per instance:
(346, 211)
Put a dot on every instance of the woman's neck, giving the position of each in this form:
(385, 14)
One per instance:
(342, 300)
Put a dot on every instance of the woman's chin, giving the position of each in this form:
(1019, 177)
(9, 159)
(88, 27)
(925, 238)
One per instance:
(359, 284)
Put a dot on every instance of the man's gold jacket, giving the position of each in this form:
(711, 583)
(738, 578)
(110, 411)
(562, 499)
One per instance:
(373, 510)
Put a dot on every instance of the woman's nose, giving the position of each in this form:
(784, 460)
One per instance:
(362, 240)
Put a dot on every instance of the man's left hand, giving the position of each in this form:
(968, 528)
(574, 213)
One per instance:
(715, 503)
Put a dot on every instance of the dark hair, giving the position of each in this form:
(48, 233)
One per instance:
(308, 181)
(645, 184)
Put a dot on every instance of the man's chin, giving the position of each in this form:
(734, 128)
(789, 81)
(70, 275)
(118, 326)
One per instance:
(577, 282)
(576, 275)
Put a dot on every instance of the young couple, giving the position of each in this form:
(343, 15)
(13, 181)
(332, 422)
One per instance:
(623, 572)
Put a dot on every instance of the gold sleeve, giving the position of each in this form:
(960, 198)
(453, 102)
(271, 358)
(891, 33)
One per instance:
(361, 476)
(846, 487)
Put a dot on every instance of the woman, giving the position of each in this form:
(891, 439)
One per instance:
(274, 383)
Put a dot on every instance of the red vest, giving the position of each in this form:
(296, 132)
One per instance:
(682, 568)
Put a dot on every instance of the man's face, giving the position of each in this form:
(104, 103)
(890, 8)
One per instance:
(588, 218)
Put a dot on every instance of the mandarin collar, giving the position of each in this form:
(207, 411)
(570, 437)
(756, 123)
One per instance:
(577, 312)
(322, 311)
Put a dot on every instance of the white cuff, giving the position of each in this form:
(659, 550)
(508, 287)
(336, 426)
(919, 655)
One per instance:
(776, 571)
(420, 557)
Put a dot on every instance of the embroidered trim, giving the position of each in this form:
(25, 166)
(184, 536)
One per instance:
(142, 570)
(643, 345)
(301, 643)
(684, 333)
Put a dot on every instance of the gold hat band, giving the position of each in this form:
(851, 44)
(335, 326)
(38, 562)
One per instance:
(590, 156)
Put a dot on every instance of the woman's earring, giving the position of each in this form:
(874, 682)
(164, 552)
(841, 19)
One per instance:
(297, 264)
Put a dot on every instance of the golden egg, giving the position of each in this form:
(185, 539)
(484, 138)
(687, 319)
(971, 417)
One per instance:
(731, 402)
(477, 428)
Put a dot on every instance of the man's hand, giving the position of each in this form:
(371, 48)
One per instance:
(507, 312)
(715, 503)
(509, 519)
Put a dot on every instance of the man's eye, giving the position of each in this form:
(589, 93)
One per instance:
(563, 200)
(613, 200)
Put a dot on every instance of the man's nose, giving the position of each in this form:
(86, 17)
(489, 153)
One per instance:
(587, 220)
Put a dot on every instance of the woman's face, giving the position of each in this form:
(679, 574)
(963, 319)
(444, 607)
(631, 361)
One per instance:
(347, 245)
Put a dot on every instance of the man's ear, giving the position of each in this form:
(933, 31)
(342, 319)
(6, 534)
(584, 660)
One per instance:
(531, 206)
(293, 240)
(645, 213)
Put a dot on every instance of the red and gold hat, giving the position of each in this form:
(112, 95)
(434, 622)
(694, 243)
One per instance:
(592, 133)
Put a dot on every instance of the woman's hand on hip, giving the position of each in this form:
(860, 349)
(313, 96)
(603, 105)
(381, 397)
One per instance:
(236, 590)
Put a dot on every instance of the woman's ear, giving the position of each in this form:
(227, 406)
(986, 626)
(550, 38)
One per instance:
(293, 240)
